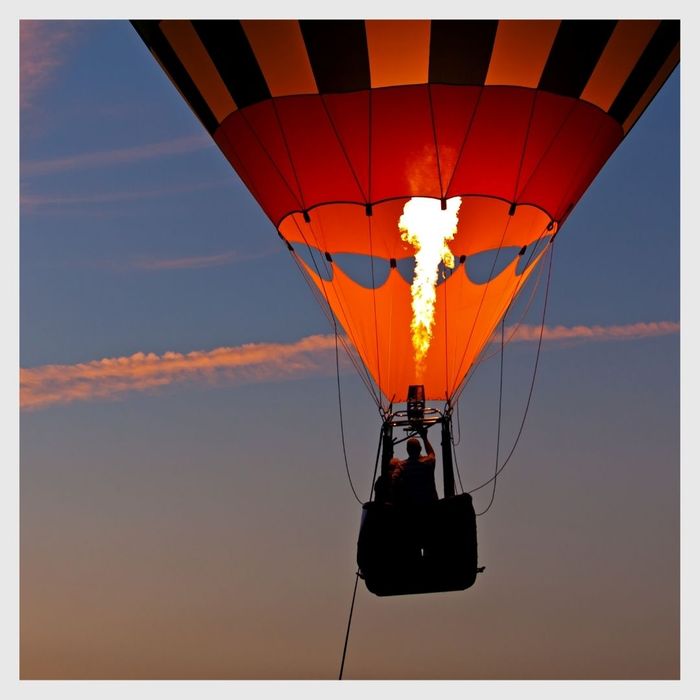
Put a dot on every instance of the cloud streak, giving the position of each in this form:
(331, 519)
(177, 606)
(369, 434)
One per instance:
(42, 53)
(114, 377)
(590, 333)
(197, 262)
(110, 158)
(39, 201)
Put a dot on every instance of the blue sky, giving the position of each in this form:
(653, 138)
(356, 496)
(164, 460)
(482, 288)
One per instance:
(186, 500)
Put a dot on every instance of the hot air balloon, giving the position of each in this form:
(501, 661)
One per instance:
(369, 143)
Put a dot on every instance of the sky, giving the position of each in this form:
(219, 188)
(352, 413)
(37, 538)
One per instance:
(184, 507)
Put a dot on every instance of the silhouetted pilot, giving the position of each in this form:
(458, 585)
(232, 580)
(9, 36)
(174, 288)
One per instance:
(413, 479)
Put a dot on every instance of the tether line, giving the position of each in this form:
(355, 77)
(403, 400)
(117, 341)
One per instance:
(347, 631)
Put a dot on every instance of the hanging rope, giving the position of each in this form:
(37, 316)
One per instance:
(347, 631)
(454, 452)
(342, 433)
(534, 375)
(376, 463)
(459, 426)
(357, 573)
(340, 410)
(500, 406)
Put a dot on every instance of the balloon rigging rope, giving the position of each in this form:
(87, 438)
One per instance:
(459, 426)
(340, 410)
(347, 631)
(376, 463)
(331, 317)
(456, 442)
(532, 383)
(454, 452)
(500, 406)
(357, 573)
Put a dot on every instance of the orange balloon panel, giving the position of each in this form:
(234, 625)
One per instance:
(378, 323)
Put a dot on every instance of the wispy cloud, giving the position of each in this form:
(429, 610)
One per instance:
(114, 377)
(226, 258)
(118, 156)
(34, 202)
(43, 51)
(591, 333)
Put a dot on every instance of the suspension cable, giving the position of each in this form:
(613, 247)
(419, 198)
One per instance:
(498, 432)
(340, 410)
(376, 463)
(534, 374)
(347, 631)
(454, 451)
(357, 573)
(459, 426)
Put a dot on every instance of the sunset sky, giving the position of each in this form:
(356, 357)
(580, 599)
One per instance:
(185, 511)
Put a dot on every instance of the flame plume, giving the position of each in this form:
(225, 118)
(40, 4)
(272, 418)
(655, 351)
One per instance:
(428, 229)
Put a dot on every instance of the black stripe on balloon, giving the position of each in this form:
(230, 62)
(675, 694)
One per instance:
(659, 48)
(338, 54)
(575, 53)
(230, 51)
(153, 37)
(460, 50)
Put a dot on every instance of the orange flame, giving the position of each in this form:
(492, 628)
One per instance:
(428, 229)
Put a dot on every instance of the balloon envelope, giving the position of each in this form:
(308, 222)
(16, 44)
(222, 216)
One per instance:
(333, 125)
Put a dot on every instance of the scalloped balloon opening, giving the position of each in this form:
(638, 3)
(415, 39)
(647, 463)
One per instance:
(373, 272)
